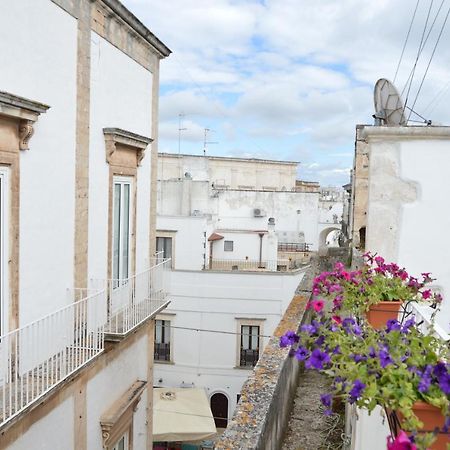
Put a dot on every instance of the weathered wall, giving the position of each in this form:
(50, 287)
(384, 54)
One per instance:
(406, 188)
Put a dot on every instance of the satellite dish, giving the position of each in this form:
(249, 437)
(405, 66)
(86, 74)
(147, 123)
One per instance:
(389, 108)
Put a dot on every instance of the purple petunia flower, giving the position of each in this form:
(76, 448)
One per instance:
(309, 328)
(317, 360)
(289, 338)
(440, 369)
(372, 352)
(326, 400)
(444, 383)
(408, 324)
(425, 379)
(336, 350)
(392, 325)
(301, 353)
(320, 340)
(356, 391)
(385, 358)
(358, 358)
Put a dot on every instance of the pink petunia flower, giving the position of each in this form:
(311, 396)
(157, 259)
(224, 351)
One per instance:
(337, 319)
(426, 294)
(318, 305)
(401, 442)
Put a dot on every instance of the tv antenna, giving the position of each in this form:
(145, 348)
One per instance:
(180, 129)
(389, 109)
(205, 140)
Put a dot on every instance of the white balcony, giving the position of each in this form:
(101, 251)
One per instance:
(37, 357)
(133, 300)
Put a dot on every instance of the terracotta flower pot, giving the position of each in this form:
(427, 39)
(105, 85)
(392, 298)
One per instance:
(379, 314)
(431, 417)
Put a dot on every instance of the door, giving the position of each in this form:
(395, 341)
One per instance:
(219, 409)
(3, 250)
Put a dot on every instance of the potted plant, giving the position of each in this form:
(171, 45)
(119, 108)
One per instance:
(395, 367)
(376, 291)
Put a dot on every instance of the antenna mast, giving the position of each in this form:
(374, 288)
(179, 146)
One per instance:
(180, 129)
(205, 140)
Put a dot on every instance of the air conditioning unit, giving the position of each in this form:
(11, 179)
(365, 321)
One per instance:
(196, 212)
(258, 212)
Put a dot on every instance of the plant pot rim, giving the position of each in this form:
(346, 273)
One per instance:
(419, 404)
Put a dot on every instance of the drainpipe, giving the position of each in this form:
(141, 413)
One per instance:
(210, 254)
(261, 235)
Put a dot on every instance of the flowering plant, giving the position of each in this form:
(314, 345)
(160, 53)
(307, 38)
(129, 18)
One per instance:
(393, 367)
(376, 281)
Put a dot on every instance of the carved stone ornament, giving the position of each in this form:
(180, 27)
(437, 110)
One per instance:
(26, 130)
(24, 111)
(127, 139)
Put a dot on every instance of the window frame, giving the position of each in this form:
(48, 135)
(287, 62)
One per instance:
(122, 181)
(251, 322)
(126, 437)
(225, 242)
(167, 317)
(4, 247)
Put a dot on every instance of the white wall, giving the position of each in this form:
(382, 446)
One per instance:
(188, 246)
(54, 431)
(119, 88)
(38, 62)
(215, 301)
(407, 217)
(109, 384)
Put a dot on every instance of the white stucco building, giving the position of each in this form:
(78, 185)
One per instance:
(400, 192)
(79, 283)
(236, 230)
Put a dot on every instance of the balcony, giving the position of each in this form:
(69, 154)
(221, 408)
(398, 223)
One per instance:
(294, 247)
(249, 357)
(133, 300)
(162, 351)
(37, 357)
(280, 265)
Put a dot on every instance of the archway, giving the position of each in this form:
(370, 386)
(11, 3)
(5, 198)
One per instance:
(329, 237)
(219, 409)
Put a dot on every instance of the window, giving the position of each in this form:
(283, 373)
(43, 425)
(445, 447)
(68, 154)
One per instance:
(3, 250)
(121, 228)
(164, 244)
(228, 246)
(162, 340)
(249, 351)
(122, 443)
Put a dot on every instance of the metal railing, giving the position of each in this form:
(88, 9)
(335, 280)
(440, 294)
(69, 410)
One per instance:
(132, 300)
(248, 358)
(281, 265)
(423, 318)
(162, 351)
(294, 247)
(38, 356)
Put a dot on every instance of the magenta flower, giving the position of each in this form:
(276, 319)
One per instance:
(426, 294)
(401, 442)
(318, 305)
(379, 260)
(336, 319)
(338, 267)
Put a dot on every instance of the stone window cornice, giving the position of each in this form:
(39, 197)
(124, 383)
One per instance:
(126, 139)
(25, 111)
(119, 417)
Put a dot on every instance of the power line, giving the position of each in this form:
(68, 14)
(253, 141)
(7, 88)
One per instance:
(439, 95)
(431, 58)
(419, 51)
(215, 331)
(406, 40)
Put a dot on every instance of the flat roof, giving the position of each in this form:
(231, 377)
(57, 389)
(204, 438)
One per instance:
(229, 158)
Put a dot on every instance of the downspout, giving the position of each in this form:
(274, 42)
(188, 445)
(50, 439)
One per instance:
(261, 235)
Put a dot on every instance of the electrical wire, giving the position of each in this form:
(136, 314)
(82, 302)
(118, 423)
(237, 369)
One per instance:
(424, 43)
(431, 58)
(406, 40)
(419, 51)
(439, 96)
(214, 331)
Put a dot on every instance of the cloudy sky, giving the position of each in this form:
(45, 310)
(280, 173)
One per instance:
(290, 79)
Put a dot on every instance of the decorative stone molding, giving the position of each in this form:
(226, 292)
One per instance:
(125, 139)
(25, 111)
(119, 416)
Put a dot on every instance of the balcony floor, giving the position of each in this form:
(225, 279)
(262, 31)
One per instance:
(20, 393)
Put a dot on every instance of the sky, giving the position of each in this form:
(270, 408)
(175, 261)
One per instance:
(290, 79)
